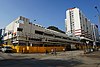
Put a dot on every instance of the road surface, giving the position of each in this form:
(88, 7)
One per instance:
(62, 59)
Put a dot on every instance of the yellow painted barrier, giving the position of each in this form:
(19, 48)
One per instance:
(35, 49)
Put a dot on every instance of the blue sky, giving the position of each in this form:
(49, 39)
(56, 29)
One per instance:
(45, 12)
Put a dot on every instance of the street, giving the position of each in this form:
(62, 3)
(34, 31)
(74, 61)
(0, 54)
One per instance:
(62, 59)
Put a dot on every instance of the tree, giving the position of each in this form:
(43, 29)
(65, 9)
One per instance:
(55, 29)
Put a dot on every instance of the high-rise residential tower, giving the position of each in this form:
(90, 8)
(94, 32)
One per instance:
(77, 24)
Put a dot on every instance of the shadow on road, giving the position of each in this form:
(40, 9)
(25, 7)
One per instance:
(39, 63)
(95, 54)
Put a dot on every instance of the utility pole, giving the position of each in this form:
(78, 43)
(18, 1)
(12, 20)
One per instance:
(98, 14)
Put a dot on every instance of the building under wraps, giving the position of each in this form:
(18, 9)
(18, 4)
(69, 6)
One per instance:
(24, 36)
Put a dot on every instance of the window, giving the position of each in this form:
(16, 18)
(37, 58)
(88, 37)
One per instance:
(20, 21)
(48, 34)
(19, 29)
(38, 32)
(34, 39)
(5, 34)
(86, 19)
(65, 38)
(9, 33)
(27, 20)
(57, 36)
(15, 44)
(22, 44)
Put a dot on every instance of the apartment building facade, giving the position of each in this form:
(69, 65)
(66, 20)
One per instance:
(95, 33)
(77, 24)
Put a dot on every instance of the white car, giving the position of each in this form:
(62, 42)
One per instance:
(6, 49)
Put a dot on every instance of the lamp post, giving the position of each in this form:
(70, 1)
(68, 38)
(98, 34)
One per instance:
(87, 42)
(97, 9)
(98, 14)
(86, 49)
(94, 44)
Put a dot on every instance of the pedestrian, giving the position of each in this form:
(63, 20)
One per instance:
(46, 52)
(64, 49)
(55, 51)
(52, 51)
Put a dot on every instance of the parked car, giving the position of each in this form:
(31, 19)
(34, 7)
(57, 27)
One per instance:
(6, 49)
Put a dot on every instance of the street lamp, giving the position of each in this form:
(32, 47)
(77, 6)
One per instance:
(98, 13)
(87, 42)
(98, 19)
(86, 50)
(97, 9)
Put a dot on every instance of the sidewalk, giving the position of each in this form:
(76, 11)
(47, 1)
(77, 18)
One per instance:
(68, 54)
(65, 59)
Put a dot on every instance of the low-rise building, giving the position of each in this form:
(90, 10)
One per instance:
(22, 32)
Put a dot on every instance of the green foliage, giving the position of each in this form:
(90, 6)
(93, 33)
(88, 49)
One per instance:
(55, 29)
